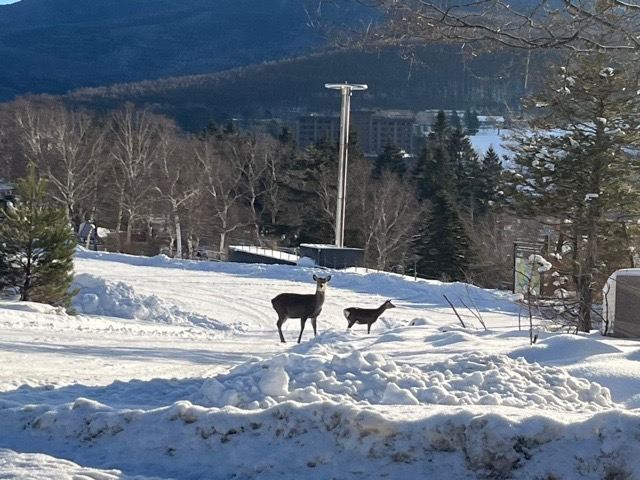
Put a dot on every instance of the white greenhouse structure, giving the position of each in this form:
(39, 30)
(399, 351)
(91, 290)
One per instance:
(621, 304)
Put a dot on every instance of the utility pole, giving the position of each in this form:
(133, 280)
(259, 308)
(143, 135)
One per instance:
(346, 89)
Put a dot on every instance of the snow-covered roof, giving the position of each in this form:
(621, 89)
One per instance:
(326, 246)
(265, 252)
(491, 118)
(626, 272)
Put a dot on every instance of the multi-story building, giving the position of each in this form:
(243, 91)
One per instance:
(315, 127)
(388, 127)
(377, 128)
(374, 128)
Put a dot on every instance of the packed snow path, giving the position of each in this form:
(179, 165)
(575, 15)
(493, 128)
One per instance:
(173, 369)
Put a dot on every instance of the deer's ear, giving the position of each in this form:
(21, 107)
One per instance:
(315, 278)
(328, 278)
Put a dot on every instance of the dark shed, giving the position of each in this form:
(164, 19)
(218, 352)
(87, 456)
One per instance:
(331, 256)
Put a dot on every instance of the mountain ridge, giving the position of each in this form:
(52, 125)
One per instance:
(54, 46)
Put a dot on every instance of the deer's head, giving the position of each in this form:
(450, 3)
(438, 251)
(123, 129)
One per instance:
(321, 283)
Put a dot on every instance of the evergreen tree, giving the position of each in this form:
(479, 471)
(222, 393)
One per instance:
(392, 159)
(583, 174)
(465, 164)
(313, 187)
(440, 127)
(480, 188)
(211, 130)
(36, 246)
(454, 120)
(444, 249)
(471, 122)
(285, 136)
(488, 183)
(230, 127)
(434, 170)
(312, 191)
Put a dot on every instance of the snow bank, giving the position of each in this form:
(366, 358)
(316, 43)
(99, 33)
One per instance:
(320, 374)
(97, 296)
(34, 317)
(35, 466)
(564, 349)
(306, 262)
(328, 440)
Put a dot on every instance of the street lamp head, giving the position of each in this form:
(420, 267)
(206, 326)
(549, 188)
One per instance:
(345, 85)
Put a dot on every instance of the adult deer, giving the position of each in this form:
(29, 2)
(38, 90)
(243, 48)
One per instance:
(295, 305)
(365, 316)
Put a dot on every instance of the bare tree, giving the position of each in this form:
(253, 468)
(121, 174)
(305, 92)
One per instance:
(134, 151)
(577, 25)
(196, 221)
(382, 215)
(65, 146)
(327, 195)
(221, 166)
(72, 166)
(275, 177)
(177, 179)
(393, 221)
(257, 158)
(13, 164)
(492, 243)
(30, 129)
(359, 199)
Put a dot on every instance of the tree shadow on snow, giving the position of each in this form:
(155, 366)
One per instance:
(132, 394)
(129, 394)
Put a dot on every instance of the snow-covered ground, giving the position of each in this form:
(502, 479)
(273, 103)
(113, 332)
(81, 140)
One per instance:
(173, 369)
(491, 137)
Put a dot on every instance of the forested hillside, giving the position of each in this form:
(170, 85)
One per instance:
(440, 78)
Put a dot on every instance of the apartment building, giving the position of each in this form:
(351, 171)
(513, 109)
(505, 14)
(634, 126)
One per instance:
(374, 128)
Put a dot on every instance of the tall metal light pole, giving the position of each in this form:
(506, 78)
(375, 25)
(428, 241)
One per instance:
(346, 89)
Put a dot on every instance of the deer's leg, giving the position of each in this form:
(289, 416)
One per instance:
(303, 320)
(313, 324)
(279, 324)
(368, 328)
(351, 323)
